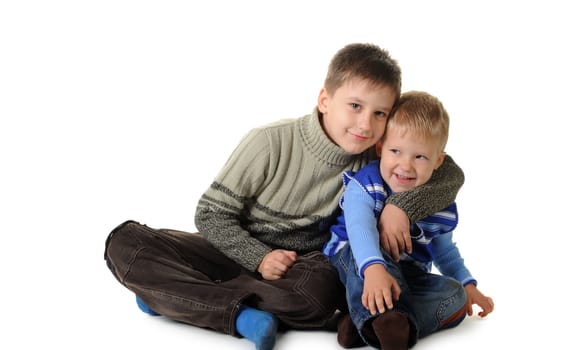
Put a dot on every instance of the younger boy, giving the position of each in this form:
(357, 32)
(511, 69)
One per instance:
(392, 304)
(266, 216)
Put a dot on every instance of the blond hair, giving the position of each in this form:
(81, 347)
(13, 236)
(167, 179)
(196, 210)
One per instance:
(423, 114)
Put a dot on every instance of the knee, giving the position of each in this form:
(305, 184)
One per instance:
(316, 294)
(309, 310)
(120, 246)
(453, 308)
(459, 295)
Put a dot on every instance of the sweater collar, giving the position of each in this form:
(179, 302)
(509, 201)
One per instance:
(319, 144)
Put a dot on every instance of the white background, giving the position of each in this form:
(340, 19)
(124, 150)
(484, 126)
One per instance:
(116, 110)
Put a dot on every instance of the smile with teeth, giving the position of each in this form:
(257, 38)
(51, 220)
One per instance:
(403, 177)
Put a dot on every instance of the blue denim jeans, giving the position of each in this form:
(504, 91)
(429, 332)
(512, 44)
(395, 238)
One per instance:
(182, 276)
(432, 302)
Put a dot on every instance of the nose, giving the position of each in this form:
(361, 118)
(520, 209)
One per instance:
(404, 163)
(363, 122)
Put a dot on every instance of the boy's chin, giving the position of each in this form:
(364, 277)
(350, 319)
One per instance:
(355, 149)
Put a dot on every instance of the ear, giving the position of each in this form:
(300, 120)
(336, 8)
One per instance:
(379, 148)
(322, 100)
(440, 160)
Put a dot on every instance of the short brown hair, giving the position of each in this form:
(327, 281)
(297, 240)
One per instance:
(365, 61)
(422, 113)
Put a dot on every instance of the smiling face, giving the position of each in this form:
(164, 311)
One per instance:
(408, 159)
(354, 116)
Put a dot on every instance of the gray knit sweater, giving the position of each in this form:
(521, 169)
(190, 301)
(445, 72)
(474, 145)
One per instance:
(281, 186)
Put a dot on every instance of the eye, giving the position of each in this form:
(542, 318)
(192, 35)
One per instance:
(421, 157)
(380, 115)
(394, 151)
(355, 106)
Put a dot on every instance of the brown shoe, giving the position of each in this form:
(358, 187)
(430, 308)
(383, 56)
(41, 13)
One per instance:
(347, 334)
(392, 330)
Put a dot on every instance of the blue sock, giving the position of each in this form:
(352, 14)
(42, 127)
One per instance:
(144, 307)
(258, 326)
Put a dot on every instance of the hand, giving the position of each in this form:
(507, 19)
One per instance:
(380, 289)
(394, 231)
(275, 264)
(474, 296)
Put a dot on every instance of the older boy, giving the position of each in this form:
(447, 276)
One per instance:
(412, 149)
(266, 216)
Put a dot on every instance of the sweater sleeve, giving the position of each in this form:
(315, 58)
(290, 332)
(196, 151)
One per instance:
(438, 193)
(220, 210)
(447, 259)
(358, 208)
